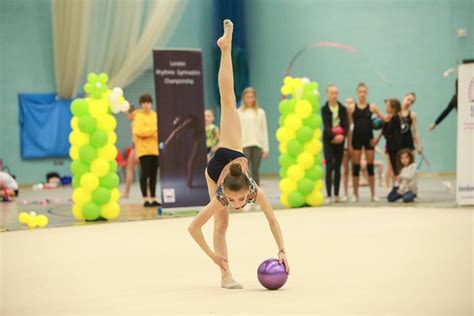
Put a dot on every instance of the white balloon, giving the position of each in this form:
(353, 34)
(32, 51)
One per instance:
(117, 91)
(115, 109)
(125, 106)
(305, 80)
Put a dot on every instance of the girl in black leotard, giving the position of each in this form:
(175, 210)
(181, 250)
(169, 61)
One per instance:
(361, 137)
(410, 137)
(392, 133)
(336, 126)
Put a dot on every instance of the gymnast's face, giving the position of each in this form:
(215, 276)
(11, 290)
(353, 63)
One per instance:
(332, 94)
(208, 117)
(237, 199)
(409, 100)
(146, 106)
(249, 99)
(362, 93)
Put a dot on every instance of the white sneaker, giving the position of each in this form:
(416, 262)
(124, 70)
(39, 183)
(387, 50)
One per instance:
(343, 199)
(354, 199)
(375, 199)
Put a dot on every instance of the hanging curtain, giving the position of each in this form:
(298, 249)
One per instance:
(70, 21)
(116, 37)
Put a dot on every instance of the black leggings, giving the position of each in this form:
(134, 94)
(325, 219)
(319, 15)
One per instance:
(393, 161)
(333, 154)
(149, 170)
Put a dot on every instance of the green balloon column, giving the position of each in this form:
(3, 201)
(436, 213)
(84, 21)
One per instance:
(300, 146)
(93, 150)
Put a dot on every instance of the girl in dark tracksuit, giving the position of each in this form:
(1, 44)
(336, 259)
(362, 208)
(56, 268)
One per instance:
(336, 126)
(392, 132)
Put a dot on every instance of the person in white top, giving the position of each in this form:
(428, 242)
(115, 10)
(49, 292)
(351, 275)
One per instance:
(254, 131)
(8, 187)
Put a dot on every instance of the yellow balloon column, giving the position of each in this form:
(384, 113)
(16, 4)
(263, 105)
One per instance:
(300, 146)
(93, 150)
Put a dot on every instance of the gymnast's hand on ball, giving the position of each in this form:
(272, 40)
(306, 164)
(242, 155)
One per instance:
(284, 261)
(220, 261)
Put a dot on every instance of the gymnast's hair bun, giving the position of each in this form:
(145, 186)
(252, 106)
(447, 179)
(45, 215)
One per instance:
(235, 170)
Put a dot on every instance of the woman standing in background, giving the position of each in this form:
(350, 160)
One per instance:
(254, 131)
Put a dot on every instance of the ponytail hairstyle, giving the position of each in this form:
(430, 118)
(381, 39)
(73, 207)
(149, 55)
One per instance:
(236, 180)
(394, 105)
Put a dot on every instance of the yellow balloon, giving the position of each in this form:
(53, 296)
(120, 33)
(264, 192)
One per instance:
(74, 152)
(75, 123)
(98, 108)
(297, 83)
(42, 221)
(114, 195)
(32, 223)
(120, 99)
(305, 160)
(315, 198)
(286, 186)
(303, 109)
(313, 146)
(282, 148)
(107, 123)
(286, 90)
(112, 139)
(288, 81)
(317, 134)
(81, 196)
(284, 200)
(77, 212)
(78, 138)
(295, 173)
(100, 167)
(293, 122)
(23, 217)
(110, 210)
(108, 152)
(318, 185)
(89, 182)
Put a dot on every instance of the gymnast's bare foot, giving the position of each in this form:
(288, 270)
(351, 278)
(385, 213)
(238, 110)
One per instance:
(225, 42)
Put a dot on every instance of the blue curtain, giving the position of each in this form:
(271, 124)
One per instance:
(233, 10)
(44, 126)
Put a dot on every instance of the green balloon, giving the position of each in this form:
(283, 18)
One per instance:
(286, 106)
(319, 121)
(96, 94)
(87, 153)
(316, 107)
(88, 88)
(281, 121)
(90, 211)
(316, 172)
(79, 167)
(99, 138)
(304, 134)
(103, 77)
(79, 107)
(109, 181)
(311, 121)
(87, 124)
(286, 160)
(113, 166)
(76, 182)
(283, 173)
(306, 186)
(294, 147)
(296, 199)
(92, 77)
(318, 160)
(101, 196)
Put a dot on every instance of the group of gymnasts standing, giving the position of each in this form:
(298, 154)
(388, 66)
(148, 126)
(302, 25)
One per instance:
(350, 132)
